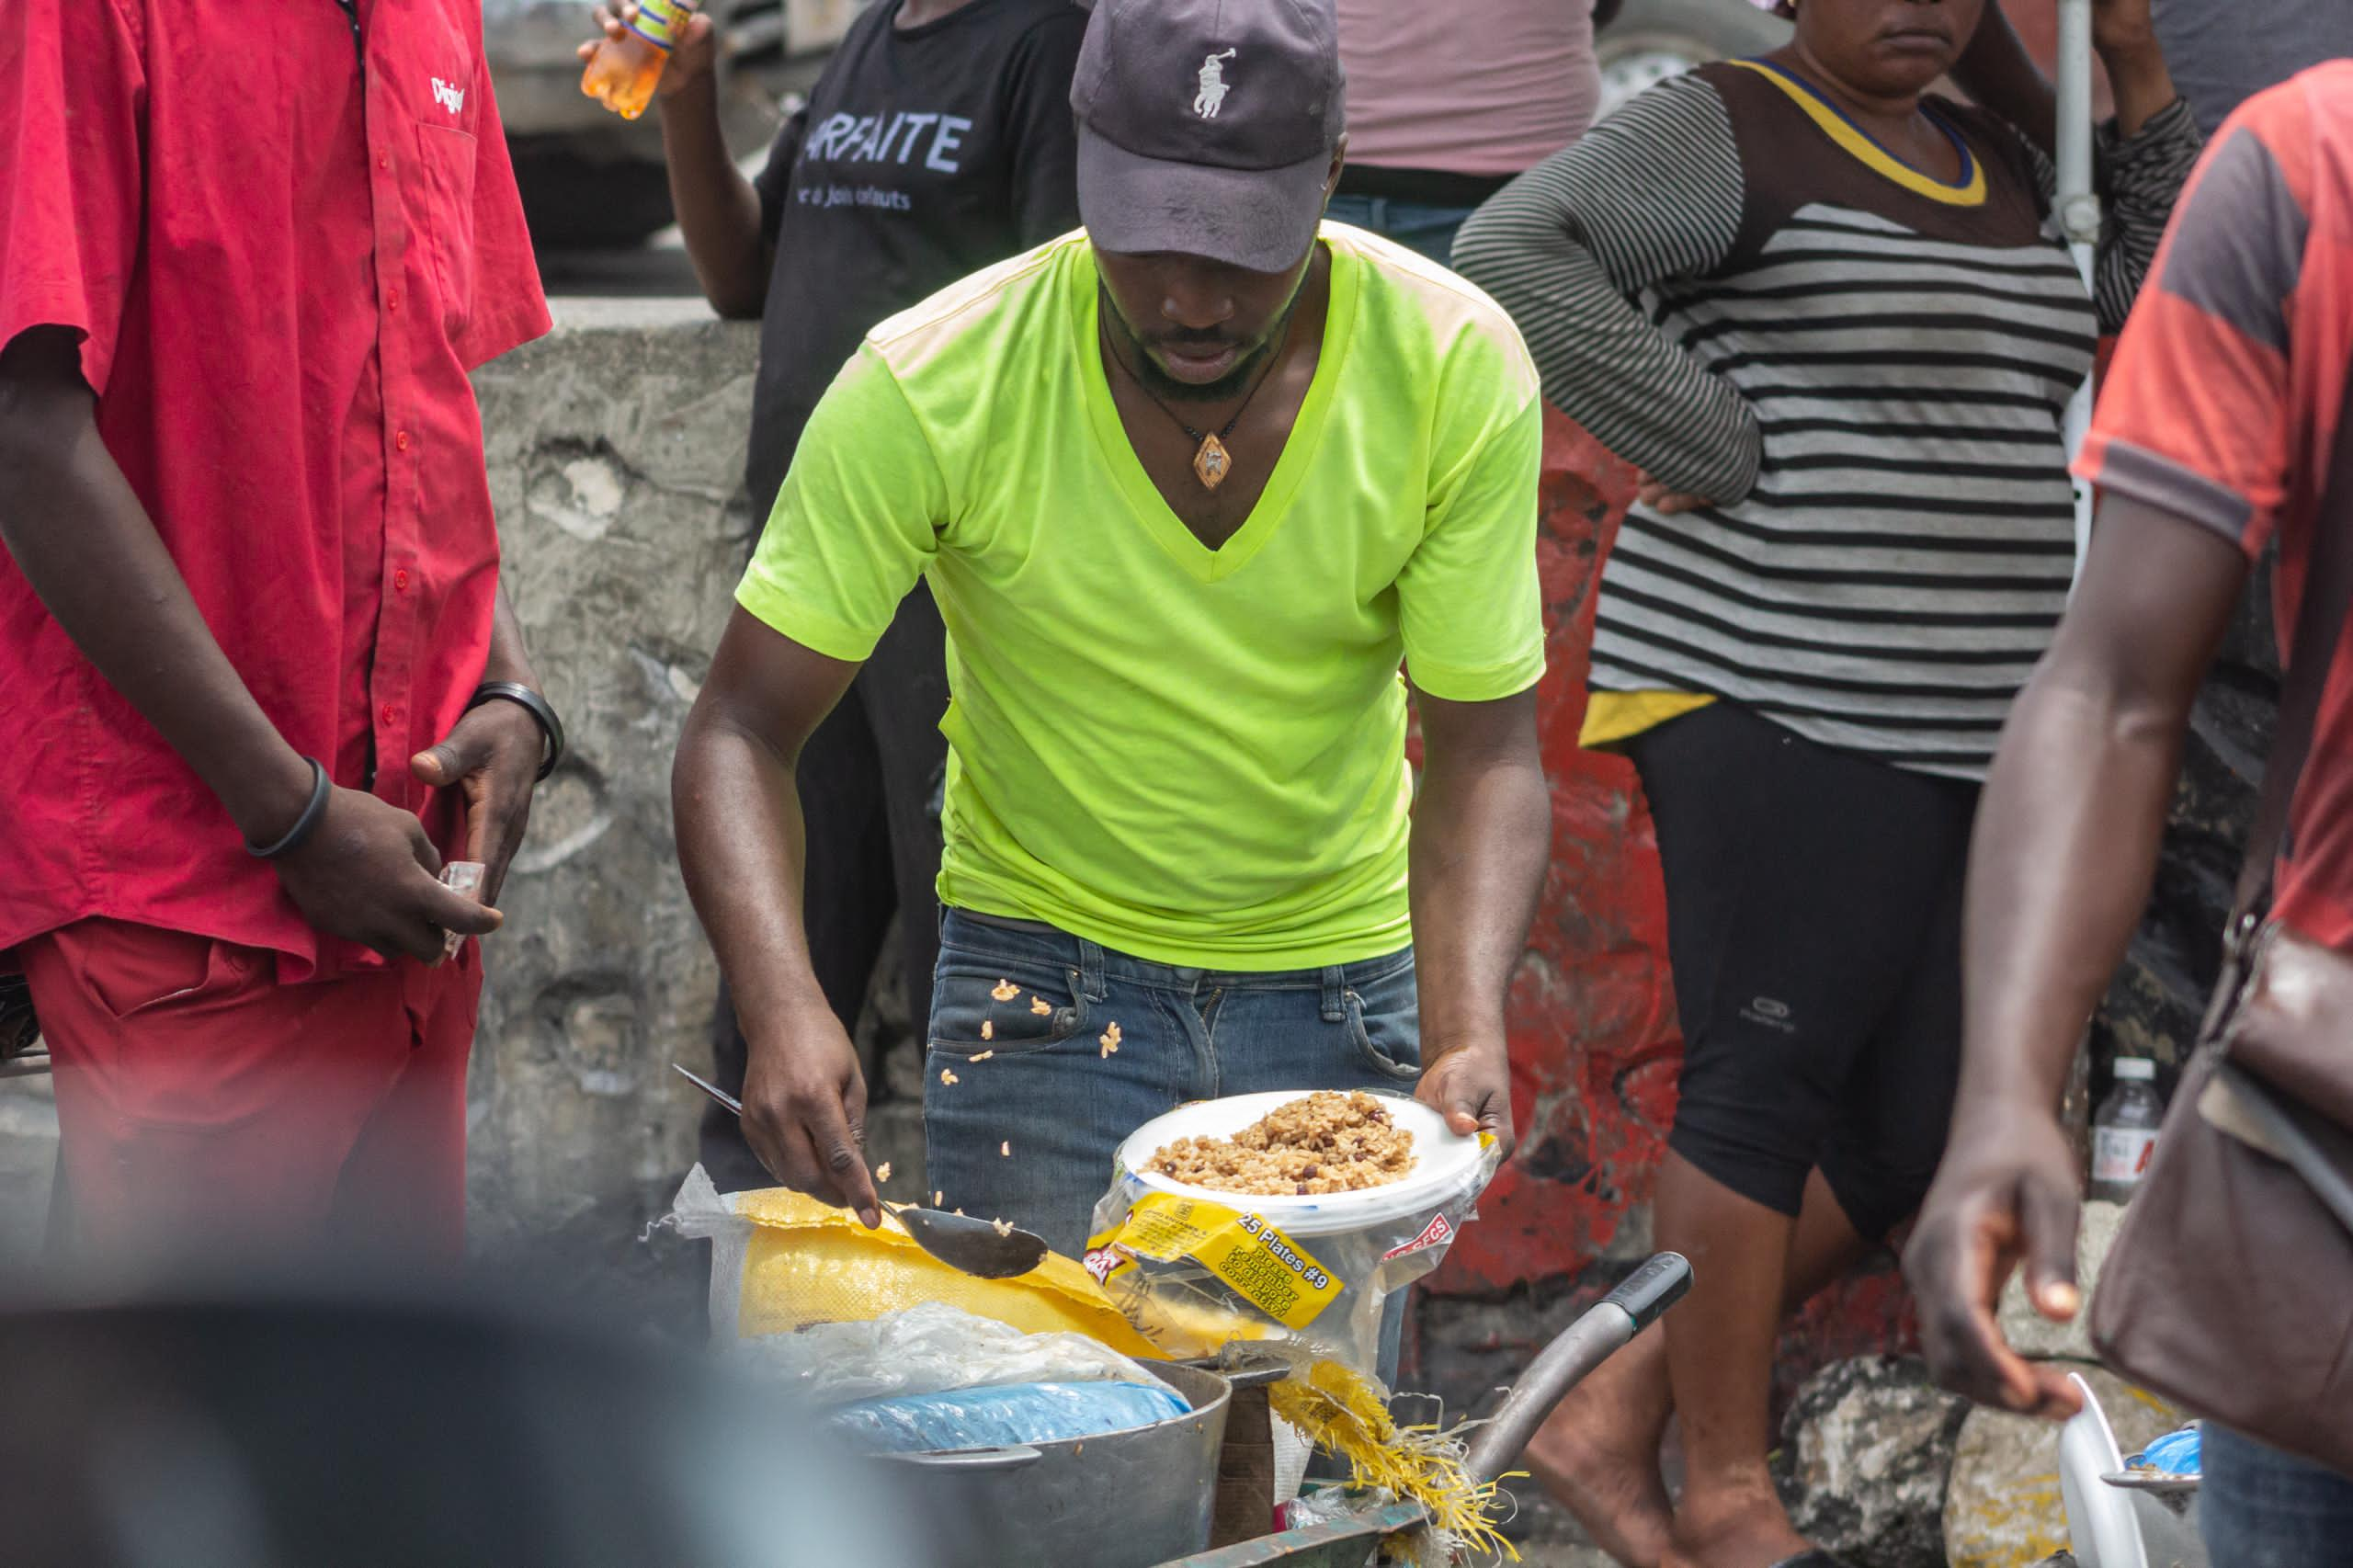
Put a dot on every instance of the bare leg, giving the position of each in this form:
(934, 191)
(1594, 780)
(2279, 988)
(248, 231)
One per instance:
(1599, 1453)
(1720, 1359)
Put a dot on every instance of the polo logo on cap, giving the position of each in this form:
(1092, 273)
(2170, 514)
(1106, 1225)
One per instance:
(1211, 96)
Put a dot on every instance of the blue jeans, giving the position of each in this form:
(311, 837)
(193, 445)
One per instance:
(1430, 230)
(1029, 1135)
(2258, 1508)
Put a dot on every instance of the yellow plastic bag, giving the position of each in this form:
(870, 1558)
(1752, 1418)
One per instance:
(780, 1261)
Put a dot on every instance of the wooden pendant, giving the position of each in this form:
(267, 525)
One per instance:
(1211, 463)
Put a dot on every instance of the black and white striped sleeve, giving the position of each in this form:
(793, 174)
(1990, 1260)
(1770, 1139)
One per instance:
(2140, 177)
(1653, 192)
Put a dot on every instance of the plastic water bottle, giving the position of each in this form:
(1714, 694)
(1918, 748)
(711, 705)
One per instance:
(2124, 1131)
(622, 73)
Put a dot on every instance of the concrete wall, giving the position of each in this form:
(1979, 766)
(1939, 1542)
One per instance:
(615, 451)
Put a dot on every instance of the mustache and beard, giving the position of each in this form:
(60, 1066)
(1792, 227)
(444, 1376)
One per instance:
(1135, 352)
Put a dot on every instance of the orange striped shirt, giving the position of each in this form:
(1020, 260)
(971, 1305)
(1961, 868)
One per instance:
(2223, 399)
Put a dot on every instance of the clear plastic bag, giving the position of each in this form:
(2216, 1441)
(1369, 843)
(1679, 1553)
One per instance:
(925, 1349)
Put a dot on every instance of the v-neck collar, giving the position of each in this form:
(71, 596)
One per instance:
(1143, 497)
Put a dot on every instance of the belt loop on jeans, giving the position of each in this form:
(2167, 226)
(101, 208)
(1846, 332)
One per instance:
(1090, 970)
(1335, 994)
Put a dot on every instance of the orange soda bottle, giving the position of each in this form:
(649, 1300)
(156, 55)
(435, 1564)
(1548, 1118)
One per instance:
(621, 73)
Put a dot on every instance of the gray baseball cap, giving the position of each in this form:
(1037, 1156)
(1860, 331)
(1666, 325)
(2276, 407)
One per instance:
(1206, 127)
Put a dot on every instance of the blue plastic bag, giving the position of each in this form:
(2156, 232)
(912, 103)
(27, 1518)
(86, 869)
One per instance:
(1000, 1417)
(2176, 1453)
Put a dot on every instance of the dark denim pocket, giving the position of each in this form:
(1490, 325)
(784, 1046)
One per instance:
(1385, 1020)
(968, 1015)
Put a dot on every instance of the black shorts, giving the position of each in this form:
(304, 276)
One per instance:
(1813, 923)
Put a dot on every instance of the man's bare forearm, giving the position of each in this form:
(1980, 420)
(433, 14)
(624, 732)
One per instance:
(1482, 837)
(2066, 848)
(742, 840)
(718, 211)
(743, 846)
(78, 532)
(510, 659)
(742, 843)
(2067, 835)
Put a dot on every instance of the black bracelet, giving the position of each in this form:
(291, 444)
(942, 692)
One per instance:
(320, 787)
(531, 702)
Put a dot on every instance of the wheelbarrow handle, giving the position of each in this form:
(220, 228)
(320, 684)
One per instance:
(1592, 1339)
(1645, 1294)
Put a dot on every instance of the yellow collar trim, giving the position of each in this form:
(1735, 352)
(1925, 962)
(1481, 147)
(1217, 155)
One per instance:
(1970, 192)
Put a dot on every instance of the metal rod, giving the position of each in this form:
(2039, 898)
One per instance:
(708, 1087)
(2076, 200)
(2076, 206)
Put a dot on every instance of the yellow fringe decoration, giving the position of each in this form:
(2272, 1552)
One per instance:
(1343, 1411)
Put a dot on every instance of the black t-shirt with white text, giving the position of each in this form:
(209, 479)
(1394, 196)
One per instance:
(925, 154)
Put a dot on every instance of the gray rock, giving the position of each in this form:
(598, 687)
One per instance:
(1866, 1446)
(2004, 1507)
(2031, 1333)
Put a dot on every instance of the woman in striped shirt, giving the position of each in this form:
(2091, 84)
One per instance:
(1826, 315)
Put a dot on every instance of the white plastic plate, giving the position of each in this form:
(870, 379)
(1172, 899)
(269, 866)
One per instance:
(1445, 1166)
(2100, 1528)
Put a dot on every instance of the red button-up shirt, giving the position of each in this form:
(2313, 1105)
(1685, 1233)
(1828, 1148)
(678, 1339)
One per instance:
(284, 233)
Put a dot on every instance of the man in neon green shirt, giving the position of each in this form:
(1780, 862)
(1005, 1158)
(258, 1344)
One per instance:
(1189, 487)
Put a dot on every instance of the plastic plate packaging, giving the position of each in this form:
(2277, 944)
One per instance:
(1195, 1267)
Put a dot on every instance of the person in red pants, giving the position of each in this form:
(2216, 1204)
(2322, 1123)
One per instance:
(260, 676)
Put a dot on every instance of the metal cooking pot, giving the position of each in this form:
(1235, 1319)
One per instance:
(1131, 1499)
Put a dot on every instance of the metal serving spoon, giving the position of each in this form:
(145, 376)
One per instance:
(972, 1246)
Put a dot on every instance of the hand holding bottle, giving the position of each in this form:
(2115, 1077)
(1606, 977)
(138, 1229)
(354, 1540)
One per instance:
(659, 46)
